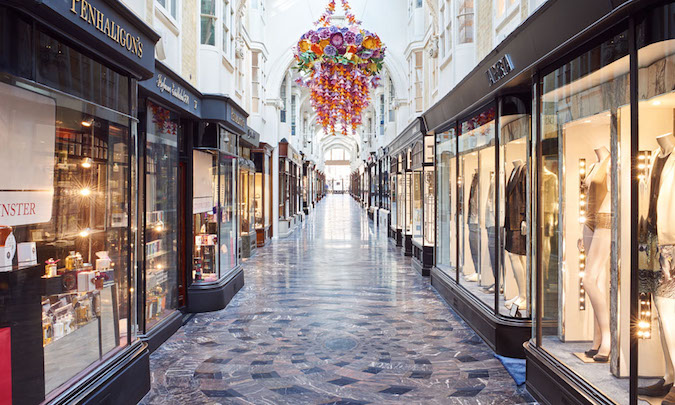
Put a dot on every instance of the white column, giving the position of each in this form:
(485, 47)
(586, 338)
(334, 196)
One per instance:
(275, 192)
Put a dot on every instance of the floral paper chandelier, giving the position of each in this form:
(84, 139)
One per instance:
(342, 64)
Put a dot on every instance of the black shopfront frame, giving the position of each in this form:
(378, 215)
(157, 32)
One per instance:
(541, 51)
(122, 375)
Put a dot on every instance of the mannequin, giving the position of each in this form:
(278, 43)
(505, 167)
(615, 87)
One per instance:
(490, 228)
(516, 230)
(596, 242)
(474, 230)
(660, 217)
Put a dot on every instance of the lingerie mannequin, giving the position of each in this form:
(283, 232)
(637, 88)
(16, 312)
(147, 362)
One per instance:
(516, 229)
(474, 230)
(596, 242)
(662, 206)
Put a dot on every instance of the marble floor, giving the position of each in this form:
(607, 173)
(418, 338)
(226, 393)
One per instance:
(333, 314)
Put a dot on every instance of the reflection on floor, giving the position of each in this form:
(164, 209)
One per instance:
(334, 314)
(597, 374)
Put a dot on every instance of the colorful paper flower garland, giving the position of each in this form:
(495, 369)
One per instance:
(342, 64)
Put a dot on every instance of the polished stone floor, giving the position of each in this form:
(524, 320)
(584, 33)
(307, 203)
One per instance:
(333, 314)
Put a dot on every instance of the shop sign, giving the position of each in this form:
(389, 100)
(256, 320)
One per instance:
(113, 30)
(175, 91)
(500, 70)
(27, 167)
(238, 119)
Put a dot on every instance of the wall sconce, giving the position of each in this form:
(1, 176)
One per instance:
(582, 220)
(87, 123)
(86, 163)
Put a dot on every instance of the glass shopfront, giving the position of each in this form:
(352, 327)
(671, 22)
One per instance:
(262, 195)
(215, 215)
(163, 131)
(66, 215)
(604, 202)
(476, 184)
(400, 180)
(486, 207)
(446, 166)
(393, 175)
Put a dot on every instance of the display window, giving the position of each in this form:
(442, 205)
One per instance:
(205, 267)
(215, 215)
(393, 191)
(446, 168)
(477, 226)
(246, 194)
(161, 214)
(514, 202)
(408, 195)
(66, 234)
(228, 236)
(586, 243)
(417, 193)
(400, 180)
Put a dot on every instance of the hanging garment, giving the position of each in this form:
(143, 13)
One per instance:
(515, 202)
(472, 218)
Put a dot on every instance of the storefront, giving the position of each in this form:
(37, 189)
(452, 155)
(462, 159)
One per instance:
(395, 231)
(169, 110)
(247, 173)
(68, 208)
(383, 180)
(290, 171)
(262, 193)
(216, 274)
(409, 209)
(594, 167)
(307, 185)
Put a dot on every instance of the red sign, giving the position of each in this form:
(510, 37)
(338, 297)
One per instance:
(5, 367)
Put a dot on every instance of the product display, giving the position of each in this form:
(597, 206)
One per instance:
(595, 246)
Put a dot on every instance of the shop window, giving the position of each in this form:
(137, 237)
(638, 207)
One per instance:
(208, 22)
(514, 203)
(655, 167)
(205, 266)
(161, 214)
(70, 166)
(465, 24)
(476, 183)
(63, 68)
(446, 158)
(585, 208)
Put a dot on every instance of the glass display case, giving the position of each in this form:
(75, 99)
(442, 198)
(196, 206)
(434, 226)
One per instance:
(161, 214)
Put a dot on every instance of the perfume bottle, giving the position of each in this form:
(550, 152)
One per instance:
(70, 261)
(51, 269)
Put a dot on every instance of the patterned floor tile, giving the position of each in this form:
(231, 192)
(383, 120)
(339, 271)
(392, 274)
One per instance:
(333, 314)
